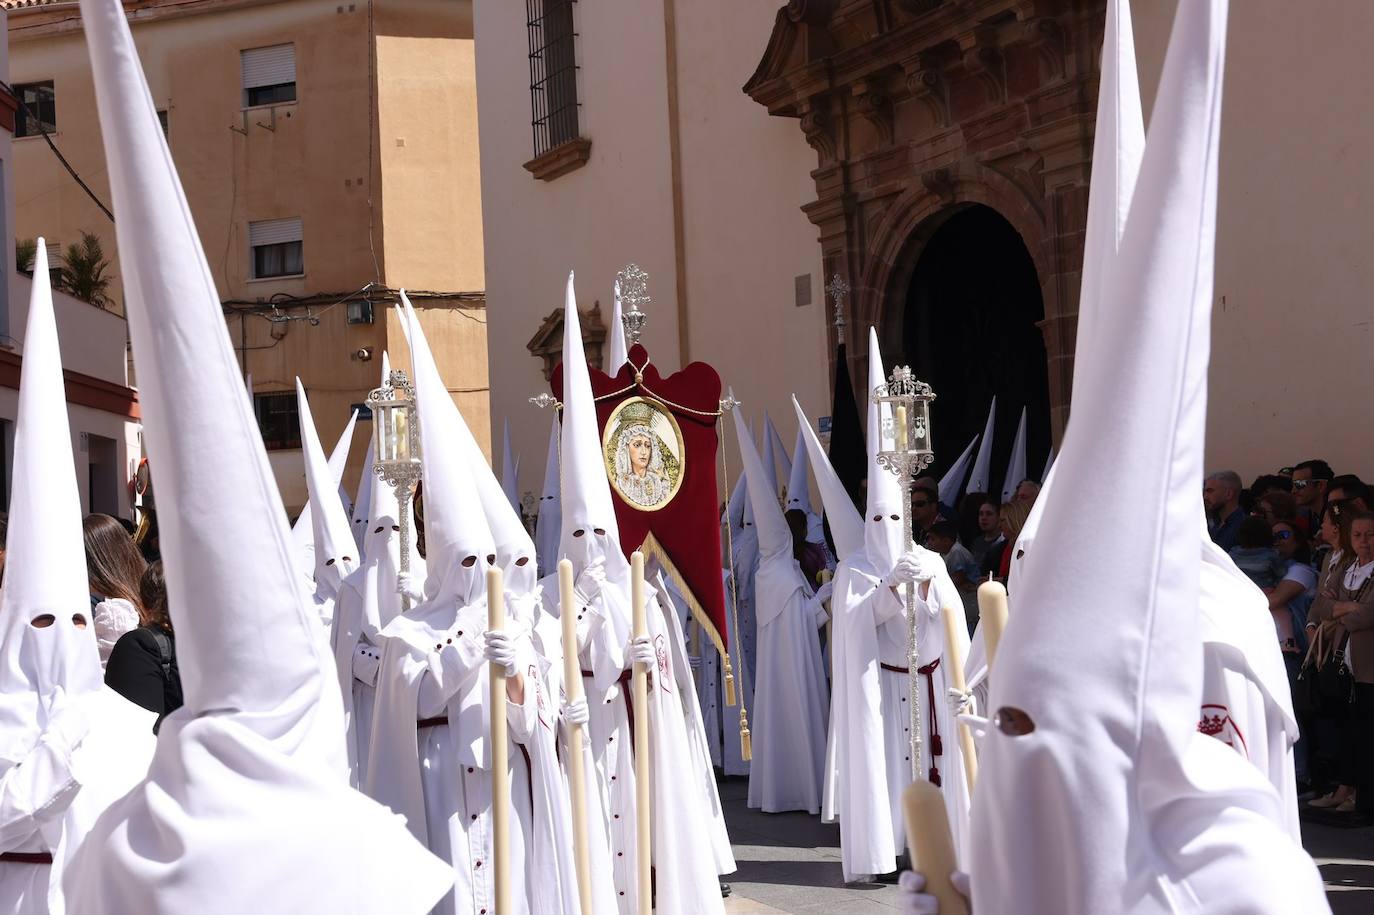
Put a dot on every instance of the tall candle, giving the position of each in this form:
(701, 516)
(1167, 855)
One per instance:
(932, 848)
(572, 691)
(500, 772)
(639, 682)
(954, 657)
(992, 611)
(901, 442)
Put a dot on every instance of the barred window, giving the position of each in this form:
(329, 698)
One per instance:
(279, 420)
(553, 72)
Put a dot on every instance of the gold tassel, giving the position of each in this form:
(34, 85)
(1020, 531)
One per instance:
(729, 682)
(746, 744)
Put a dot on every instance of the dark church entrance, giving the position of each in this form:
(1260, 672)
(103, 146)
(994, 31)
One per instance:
(970, 330)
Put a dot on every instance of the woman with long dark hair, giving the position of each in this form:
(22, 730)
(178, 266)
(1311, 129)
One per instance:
(143, 665)
(114, 567)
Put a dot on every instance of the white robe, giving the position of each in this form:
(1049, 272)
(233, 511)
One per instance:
(791, 704)
(721, 721)
(49, 802)
(1246, 703)
(439, 777)
(870, 719)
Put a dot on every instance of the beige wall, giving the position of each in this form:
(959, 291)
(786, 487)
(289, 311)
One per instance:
(744, 177)
(1293, 327)
(371, 211)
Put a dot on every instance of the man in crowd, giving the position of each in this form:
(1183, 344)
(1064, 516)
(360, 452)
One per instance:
(1026, 491)
(1311, 481)
(1221, 496)
(1348, 487)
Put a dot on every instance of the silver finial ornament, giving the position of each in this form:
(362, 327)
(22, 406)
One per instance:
(544, 401)
(633, 284)
(728, 403)
(396, 427)
(838, 290)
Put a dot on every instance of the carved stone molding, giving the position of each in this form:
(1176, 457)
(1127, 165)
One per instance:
(983, 60)
(812, 12)
(927, 86)
(876, 107)
(563, 158)
(818, 129)
(1045, 36)
(940, 182)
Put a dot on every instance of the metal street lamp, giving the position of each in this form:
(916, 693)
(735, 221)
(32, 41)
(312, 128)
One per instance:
(396, 428)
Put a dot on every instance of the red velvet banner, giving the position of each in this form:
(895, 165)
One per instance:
(659, 442)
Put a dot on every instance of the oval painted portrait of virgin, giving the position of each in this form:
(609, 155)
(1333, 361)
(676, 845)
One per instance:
(643, 451)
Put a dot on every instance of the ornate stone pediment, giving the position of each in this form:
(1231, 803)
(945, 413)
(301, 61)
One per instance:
(547, 343)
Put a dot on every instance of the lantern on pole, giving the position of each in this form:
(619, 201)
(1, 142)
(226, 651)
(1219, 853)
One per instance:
(904, 448)
(396, 429)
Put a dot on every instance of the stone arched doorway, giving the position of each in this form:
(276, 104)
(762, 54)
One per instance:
(967, 319)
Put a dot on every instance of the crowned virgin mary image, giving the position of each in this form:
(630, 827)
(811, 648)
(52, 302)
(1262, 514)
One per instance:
(643, 465)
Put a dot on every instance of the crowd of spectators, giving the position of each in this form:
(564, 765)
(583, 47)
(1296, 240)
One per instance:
(1305, 536)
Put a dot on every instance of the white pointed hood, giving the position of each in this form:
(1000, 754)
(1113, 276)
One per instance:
(249, 786)
(950, 483)
(774, 537)
(547, 525)
(335, 550)
(846, 526)
(781, 466)
(1118, 145)
(798, 486)
(883, 515)
(981, 478)
(617, 354)
(1016, 465)
(589, 530)
(510, 469)
(770, 466)
(512, 543)
(45, 566)
(375, 579)
(459, 546)
(1102, 654)
(303, 530)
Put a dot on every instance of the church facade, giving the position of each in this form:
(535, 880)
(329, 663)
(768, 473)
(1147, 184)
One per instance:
(935, 155)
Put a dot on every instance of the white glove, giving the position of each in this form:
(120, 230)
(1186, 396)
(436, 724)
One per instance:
(824, 592)
(910, 899)
(500, 650)
(642, 652)
(406, 588)
(575, 712)
(589, 583)
(961, 703)
(906, 571)
(69, 725)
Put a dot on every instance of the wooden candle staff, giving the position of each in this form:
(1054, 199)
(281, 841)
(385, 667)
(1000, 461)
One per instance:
(500, 767)
(932, 847)
(992, 611)
(954, 657)
(639, 684)
(572, 691)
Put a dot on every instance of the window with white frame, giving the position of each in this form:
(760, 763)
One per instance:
(276, 247)
(269, 75)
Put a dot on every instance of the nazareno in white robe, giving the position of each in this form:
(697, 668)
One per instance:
(791, 705)
(1246, 703)
(439, 777)
(870, 719)
(50, 798)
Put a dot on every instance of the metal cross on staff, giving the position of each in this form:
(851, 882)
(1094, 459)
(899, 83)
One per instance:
(634, 292)
(904, 449)
(838, 290)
